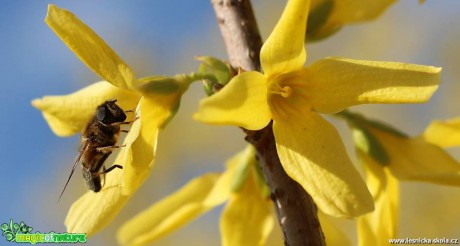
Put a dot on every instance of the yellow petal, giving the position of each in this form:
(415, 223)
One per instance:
(243, 102)
(155, 112)
(94, 211)
(67, 115)
(141, 148)
(416, 159)
(89, 47)
(443, 133)
(241, 163)
(349, 11)
(333, 234)
(337, 13)
(194, 199)
(169, 214)
(284, 50)
(197, 197)
(380, 225)
(248, 218)
(337, 83)
(312, 153)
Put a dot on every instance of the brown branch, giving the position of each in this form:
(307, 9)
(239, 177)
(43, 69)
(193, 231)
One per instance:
(295, 209)
(239, 29)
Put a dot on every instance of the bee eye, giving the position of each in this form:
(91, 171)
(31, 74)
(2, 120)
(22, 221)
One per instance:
(101, 113)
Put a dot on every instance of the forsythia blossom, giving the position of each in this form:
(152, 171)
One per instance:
(246, 220)
(157, 99)
(293, 96)
(400, 158)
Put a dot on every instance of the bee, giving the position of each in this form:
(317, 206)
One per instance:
(99, 138)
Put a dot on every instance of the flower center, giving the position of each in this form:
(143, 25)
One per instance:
(284, 91)
(287, 95)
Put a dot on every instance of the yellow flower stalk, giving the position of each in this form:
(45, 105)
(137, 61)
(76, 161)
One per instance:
(157, 100)
(330, 15)
(412, 159)
(293, 96)
(246, 220)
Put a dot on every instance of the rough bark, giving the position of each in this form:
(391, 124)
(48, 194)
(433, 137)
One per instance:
(295, 209)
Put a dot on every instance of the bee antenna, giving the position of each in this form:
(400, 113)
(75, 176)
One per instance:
(73, 167)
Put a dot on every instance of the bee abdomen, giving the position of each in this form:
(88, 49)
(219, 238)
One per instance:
(92, 181)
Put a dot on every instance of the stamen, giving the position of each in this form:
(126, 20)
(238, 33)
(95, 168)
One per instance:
(285, 91)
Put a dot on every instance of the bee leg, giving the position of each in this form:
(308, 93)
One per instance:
(104, 171)
(103, 175)
(107, 149)
(125, 122)
(111, 168)
(129, 111)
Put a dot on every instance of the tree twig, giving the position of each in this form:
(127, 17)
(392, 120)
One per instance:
(295, 209)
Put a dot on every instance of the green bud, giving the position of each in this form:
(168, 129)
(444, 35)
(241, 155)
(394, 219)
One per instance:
(221, 71)
(214, 73)
(170, 89)
(366, 142)
(317, 18)
(387, 128)
(358, 120)
(159, 85)
(243, 170)
(240, 176)
(265, 190)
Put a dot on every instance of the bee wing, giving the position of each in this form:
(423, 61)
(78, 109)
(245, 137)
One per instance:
(82, 150)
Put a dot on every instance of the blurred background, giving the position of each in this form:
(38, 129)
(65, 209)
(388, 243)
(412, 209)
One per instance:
(162, 37)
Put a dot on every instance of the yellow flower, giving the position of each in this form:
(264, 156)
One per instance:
(246, 220)
(333, 234)
(328, 16)
(67, 115)
(413, 159)
(377, 227)
(310, 149)
(443, 133)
